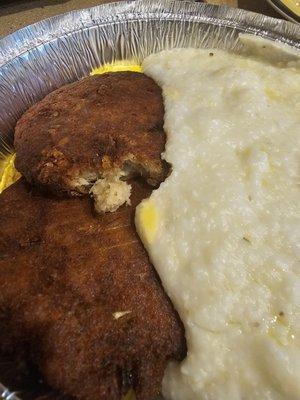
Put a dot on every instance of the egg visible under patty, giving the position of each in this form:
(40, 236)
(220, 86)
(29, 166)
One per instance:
(223, 230)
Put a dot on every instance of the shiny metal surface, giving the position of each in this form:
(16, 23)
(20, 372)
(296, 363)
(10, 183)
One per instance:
(44, 56)
(39, 58)
(5, 394)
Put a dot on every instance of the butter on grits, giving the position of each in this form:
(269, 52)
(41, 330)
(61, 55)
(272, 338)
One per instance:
(147, 220)
(227, 241)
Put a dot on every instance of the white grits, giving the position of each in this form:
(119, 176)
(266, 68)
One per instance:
(223, 231)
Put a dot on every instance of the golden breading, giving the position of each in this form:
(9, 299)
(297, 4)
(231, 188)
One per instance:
(80, 299)
(101, 127)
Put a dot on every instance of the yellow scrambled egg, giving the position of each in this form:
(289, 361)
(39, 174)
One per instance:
(118, 66)
(8, 172)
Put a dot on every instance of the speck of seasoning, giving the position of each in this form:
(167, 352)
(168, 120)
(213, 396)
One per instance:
(211, 54)
(120, 314)
(250, 197)
(281, 314)
(256, 324)
(246, 239)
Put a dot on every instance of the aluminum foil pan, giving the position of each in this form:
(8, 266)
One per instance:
(41, 57)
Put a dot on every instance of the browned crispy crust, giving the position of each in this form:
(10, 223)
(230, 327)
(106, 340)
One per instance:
(97, 124)
(63, 273)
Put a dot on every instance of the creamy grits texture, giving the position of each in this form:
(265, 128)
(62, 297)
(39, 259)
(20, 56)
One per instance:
(223, 230)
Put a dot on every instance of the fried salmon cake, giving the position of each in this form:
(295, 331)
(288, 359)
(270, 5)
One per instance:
(92, 135)
(80, 299)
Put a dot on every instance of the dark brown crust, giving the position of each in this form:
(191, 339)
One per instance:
(63, 273)
(95, 124)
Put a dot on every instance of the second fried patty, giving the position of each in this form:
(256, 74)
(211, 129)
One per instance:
(106, 126)
(79, 298)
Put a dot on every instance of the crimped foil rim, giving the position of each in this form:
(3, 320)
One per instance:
(50, 29)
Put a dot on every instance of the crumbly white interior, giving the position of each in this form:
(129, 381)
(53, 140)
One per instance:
(83, 182)
(223, 230)
(107, 189)
(110, 192)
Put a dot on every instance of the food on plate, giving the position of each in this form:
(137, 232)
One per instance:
(92, 135)
(225, 225)
(79, 297)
